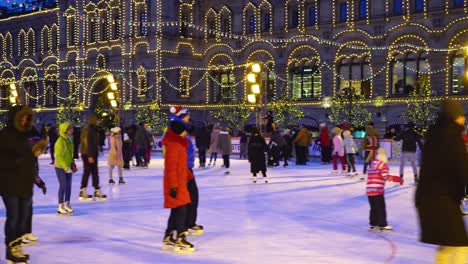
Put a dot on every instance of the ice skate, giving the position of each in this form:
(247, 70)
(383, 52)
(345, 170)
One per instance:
(209, 164)
(31, 237)
(67, 207)
(99, 197)
(168, 242)
(196, 230)
(226, 172)
(386, 228)
(373, 229)
(84, 197)
(14, 254)
(111, 181)
(254, 179)
(334, 172)
(182, 245)
(121, 181)
(61, 210)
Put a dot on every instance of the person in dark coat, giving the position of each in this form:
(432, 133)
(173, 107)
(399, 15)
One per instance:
(202, 141)
(411, 140)
(256, 151)
(127, 150)
(89, 154)
(102, 138)
(142, 141)
(243, 143)
(269, 121)
(325, 144)
(53, 136)
(76, 141)
(277, 147)
(17, 168)
(444, 174)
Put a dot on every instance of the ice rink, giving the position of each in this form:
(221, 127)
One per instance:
(303, 215)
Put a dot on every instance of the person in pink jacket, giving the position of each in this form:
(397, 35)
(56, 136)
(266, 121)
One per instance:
(115, 158)
(338, 151)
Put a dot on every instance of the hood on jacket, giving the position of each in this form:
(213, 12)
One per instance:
(63, 129)
(17, 113)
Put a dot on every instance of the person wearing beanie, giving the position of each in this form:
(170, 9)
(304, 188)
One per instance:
(64, 167)
(411, 140)
(350, 149)
(16, 178)
(127, 150)
(115, 158)
(338, 152)
(37, 149)
(441, 187)
(225, 147)
(176, 194)
(377, 176)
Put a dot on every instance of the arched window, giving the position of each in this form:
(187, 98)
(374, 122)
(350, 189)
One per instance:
(362, 9)
(226, 20)
(45, 39)
(71, 31)
(458, 78)
(54, 37)
(266, 22)
(104, 27)
(252, 23)
(92, 30)
(458, 3)
(117, 27)
(221, 89)
(30, 88)
(294, 20)
(306, 81)
(143, 24)
(267, 78)
(31, 42)
(8, 45)
(353, 73)
(418, 6)
(51, 87)
(21, 43)
(343, 12)
(397, 7)
(312, 16)
(184, 16)
(406, 70)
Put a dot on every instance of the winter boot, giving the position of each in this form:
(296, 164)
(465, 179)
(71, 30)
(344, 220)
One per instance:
(67, 207)
(121, 181)
(182, 245)
(61, 209)
(84, 197)
(98, 196)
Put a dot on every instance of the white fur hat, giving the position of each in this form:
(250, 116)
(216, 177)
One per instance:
(116, 130)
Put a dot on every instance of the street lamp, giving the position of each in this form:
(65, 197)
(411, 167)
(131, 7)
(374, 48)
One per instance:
(13, 94)
(253, 78)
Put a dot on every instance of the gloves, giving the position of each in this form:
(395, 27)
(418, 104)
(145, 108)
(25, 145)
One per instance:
(68, 170)
(44, 189)
(173, 192)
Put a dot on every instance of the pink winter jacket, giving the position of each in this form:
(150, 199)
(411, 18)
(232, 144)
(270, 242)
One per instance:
(337, 146)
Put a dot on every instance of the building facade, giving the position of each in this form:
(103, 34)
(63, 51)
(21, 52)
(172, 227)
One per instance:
(195, 52)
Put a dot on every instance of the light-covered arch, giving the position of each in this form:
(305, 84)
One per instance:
(249, 10)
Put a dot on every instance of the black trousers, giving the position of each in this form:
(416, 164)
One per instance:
(90, 168)
(351, 162)
(177, 220)
(226, 161)
(202, 155)
(301, 155)
(326, 153)
(364, 169)
(192, 208)
(378, 213)
(52, 151)
(17, 213)
(28, 225)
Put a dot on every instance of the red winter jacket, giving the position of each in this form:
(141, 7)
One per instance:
(176, 172)
(376, 177)
(325, 137)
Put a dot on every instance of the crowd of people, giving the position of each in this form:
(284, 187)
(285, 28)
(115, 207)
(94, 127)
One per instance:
(440, 182)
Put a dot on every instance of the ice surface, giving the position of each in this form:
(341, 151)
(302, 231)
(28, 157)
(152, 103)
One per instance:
(304, 215)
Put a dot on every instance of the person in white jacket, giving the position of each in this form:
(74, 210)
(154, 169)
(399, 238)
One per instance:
(350, 149)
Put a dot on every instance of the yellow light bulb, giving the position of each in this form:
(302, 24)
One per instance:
(113, 86)
(256, 88)
(110, 78)
(251, 77)
(13, 86)
(113, 103)
(13, 100)
(111, 96)
(14, 93)
(256, 68)
(251, 98)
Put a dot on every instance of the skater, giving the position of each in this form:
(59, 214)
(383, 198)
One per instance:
(225, 148)
(442, 184)
(269, 121)
(350, 149)
(370, 144)
(202, 140)
(243, 141)
(115, 158)
(89, 154)
(214, 146)
(16, 177)
(325, 144)
(278, 151)
(127, 150)
(76, 141)
(257, 148)
(64, 167)
(338, 151)
(378, 174)
(37, 149)
(411, 139)
(53, 136)
(176, 194)
(302, 141)
(142, 144)
(102, 139)
(287, 154)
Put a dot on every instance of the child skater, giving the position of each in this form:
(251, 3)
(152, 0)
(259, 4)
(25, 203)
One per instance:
(338, 152)
(350, 149)
(377, 175)
(115, 158)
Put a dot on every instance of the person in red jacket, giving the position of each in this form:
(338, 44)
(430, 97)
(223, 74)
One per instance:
(325, 144)
(176, 194)
(376, 178)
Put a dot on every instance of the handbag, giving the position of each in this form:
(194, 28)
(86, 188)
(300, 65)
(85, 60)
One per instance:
(74, 168)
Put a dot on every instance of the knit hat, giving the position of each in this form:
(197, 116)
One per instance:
(126, 137)
(116, 130)
(382, 155)
(178, 113)
(452, 109)
(41, 144)
(177, 127)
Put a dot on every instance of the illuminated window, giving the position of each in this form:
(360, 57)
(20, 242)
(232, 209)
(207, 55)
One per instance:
(221, 89)
(362, 9)
(418, 6)
(312, 16)
(458, 3)
(458, 73)
(306, 83)
(354, 73)
(406, 71)
(252, 24)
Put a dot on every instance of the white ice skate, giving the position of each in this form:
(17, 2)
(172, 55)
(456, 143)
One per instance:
(84, 196)
(61, 210)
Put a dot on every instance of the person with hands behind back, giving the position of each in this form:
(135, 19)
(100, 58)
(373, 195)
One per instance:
(176, 194)
(63, 167)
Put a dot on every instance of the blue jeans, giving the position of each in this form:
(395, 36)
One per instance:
(17, 212)
(65, 182)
